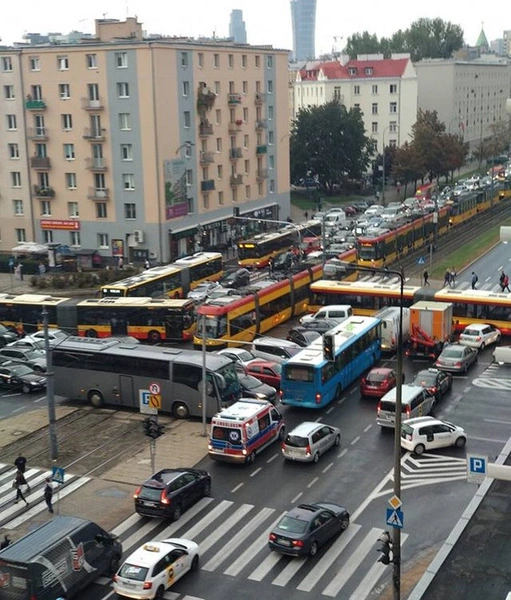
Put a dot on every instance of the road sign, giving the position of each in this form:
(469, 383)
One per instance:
(147, 404)
(395, 518)
(155, 401)
(395, 502)
(154, 388)
(421, 260)
(477, 467)
(57, 474)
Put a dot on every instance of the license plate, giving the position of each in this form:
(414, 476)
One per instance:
(284, 542)
(145, 503)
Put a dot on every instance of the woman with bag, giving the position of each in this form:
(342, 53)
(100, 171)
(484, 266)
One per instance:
(18, 482)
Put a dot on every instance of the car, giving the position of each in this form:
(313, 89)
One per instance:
(27, 343)
(321, 325)
(374, 209)
(309, 440)
(428, 433)
(274, 349)
(239, 355)
(283, 261)
(7, 335)
(251, 387)
(200, 293)
(36, 359)
(456, 358)
(15, 376)
(169, 492)
(306, 527)
(436, 382)
(221, 292)
(55, 336)
(378, 382)
(479, 335)
(267, 371)
(155, 567)
(235, 278)
(302, 336)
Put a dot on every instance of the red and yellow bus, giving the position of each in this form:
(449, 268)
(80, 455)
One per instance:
(427, 191)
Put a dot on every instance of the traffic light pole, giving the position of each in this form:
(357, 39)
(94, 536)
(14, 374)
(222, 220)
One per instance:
(152, 453)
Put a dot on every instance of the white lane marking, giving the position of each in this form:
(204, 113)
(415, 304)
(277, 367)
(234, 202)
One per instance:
(272, 459)
(368, 428)
(292, 567)
(342, 453)
(483, 439)
(313, 482)
(328, 467)
(225, 526)
(355, 440)
(208, 519)
(265, 566)
(188, 516)
(295, 499)
(256, 471)
(235, 489)
(125, 525)
(329, 410)
(496, 421)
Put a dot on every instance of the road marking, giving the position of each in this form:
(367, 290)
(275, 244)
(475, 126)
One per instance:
(256, 471)
(209, 518)
(496, 421)
(342, 453)
(368, 428)
(313, 482)
(266, 566)
(272, 459)
(483, 439)
(292, 567)
(236, 488)
(299, 495)
(329, 410)
(328, 467)
(225, 526)
(125, 525)
(355, 440)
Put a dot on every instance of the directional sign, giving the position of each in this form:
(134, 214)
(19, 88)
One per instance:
(477, 467)
(57, 474)
(147, 403)
(421, 260)
(395, 518)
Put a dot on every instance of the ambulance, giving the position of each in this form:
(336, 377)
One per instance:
(241, 431)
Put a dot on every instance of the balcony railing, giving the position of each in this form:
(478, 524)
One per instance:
(235, 153)
(234, 99)
(94, 133)
(35, 104)
(236, 180)
(234, 127)
(207, 158)
(98, 194)
(260, 97)
(43, 192)
(88, 104)
(207, 185)
(96, 164)
(37, 133)
(40, 162)
(261, 124)
(262, 174)
(205, 129)
(261, 149)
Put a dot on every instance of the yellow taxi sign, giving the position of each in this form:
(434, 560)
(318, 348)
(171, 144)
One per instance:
(151, 548)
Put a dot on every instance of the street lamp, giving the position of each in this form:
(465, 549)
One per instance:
(186, 145)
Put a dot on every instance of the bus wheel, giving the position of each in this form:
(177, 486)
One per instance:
(91, 333)
(180, 410)
(154, 337)
(96, 399)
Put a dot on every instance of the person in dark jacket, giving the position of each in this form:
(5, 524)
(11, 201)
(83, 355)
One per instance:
(21, 463)
(18, 482)
(48, 493)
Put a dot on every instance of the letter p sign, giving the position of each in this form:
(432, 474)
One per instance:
(476, 468)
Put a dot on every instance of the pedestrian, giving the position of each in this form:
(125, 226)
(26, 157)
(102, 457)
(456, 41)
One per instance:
(505, 284)
(377, 196)
(21, 463)
(426, 277)
(18, 482)
(270, 265)
(398, 187)
(147, 264)
(6, 542)
(41, 268)
(452, 279)
(402, 271)
(474, 280)
(306, 215)
(48, 493)
(120, 262)
(447, 278)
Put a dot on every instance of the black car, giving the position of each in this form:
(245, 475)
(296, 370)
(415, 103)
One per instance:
(302, 336)
(283, 261)
(235, 279)
(7, 335)
(171, 491)
(251, 387)
(306, 527)
(436, 382)
(36, 359)
(320, 325)
(21, 378)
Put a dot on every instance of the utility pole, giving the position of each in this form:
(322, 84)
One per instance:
(204, 377)
(50, 388)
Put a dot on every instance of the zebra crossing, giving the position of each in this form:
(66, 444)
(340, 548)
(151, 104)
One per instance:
(495, 377)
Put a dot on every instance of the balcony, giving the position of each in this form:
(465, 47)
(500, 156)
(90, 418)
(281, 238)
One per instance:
(233, 99)
(205, 129)
(35, 104)
(236, 180)
(235, 127)
(260, 98)
(88, 104)
(207, 185)
(43, 192)
(40, 162)
(235, 153)
(96, 164)
(38, 133)
(94, 134)
(261, 149)
(98, 194)
(261, 124)
(206, 158)
(262, 173)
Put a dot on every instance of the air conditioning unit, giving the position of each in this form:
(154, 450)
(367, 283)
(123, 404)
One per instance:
(138, 234)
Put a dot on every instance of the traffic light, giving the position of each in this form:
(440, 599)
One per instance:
(385, 548)
(328, 347)
(152, 428)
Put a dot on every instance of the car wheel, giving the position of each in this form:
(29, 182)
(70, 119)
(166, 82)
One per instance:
(337, 440)
(91, 333)
(195, 563)
(180, 410)
(38, 369)
(207, 489)
(177, 512)
(419, 449)
(25, 388)
(313, 550)
(482, 347)
(345, 523)
(282, 434)
(460, 442)
(160, 593)
(251, 458)
(95, 397)
(316, 457)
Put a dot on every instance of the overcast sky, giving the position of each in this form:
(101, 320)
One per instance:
(267, 21)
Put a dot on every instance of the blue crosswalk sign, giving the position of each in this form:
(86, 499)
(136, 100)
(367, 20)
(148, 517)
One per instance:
(421, 260)
(57, 474)
(395, 517)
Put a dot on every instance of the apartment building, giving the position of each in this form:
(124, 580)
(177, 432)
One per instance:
(385, 90)
(141, 147)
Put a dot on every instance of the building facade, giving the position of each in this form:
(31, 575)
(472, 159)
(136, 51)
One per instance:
(141, 147)
(237, 29)
(303, 19)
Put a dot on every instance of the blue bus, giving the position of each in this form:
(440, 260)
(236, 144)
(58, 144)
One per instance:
(310, 381)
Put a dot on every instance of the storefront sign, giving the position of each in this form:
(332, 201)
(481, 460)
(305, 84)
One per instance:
(57, 224)
(117, 248)
(177, 210)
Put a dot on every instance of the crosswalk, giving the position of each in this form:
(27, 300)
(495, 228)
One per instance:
(490, 286)
(495, 377)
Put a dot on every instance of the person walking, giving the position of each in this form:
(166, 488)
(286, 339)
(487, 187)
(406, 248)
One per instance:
(147, 264)
(501, 280)
(505, 284)
(447, 278)
(426, 277)
(453, 277)
(21, 463)
(474, 280)
(120, 262)
(48, 493)
(18, 482)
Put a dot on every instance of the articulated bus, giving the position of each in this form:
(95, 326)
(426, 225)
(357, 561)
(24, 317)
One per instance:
(147, 319)
(311, 381)
(230, 321)
(174, 280)
(113, 372)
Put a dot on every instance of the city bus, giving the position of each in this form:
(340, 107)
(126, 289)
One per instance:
(231, 320)
(128, 375)
(311, 381)
(174, 280)
(23, 312)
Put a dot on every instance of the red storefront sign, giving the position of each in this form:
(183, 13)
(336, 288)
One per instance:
(58, 224)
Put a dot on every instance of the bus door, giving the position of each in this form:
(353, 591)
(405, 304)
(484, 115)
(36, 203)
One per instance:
(173, 326)
(126, 391)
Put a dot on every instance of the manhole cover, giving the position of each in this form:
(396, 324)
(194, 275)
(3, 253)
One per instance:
(112, 493)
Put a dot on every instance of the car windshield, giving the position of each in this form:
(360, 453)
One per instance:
(296, 441)
(33, 354)
(472, 332)
(424, 380)
(292, 525)
(134, 572)
(21, 370)
(377, 377)
(249, 382)
(3, 330)
(150, 493)
(452, 353)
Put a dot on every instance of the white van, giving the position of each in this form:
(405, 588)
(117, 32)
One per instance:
(502, 355)
(339, 312)
(390, 327)
(334, 218)
(416, 401)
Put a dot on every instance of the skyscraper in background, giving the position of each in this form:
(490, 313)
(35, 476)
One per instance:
(237, 29)
(303, 15)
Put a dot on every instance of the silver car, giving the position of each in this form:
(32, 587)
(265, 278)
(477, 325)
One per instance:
(456, 358)
(308, 441)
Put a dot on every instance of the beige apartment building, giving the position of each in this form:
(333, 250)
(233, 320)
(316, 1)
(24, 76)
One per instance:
(141, 147)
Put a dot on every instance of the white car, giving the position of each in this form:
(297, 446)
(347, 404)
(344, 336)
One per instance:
(240, 356)
(55, 336)
(155, 567)
(427, 433)
(201, 292)
(479, 335)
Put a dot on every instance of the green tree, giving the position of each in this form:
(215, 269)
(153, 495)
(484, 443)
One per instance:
(433, 38)
(426, 135)
(362, 43)
(329, 142)
(408, 165)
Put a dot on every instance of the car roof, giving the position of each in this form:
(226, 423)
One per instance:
(261, 362)
(416, 421)
(476, 326)
(278, 342)
(306, 428)
(149, 553)
(164, 477)
(381, 370)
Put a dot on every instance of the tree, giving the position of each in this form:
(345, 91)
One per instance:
(362, 43)
(408, 164)
(329, 143)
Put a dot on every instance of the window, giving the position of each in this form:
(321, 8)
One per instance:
(374, 89)
(205, 200)
(200, 59)
(41, 150)
(37, 92)
(14, 151)
(271, 186)
(188, 150)
(9, 92)
(184, 59)
(103, 240)
(186, 88)
(101, 210)
(6, 64)
(356, 90)
(230, 61)
(128, 181)
(187, 119)
(47, 236)
(62, 63)
(43, 180)
(69, 151)
(189, 177)
(125, 121)
(269, 62)
(70, 181)
(15, 179)
(270, 86)
(247, 192)
(123, 90)
(99, 182)
(368, 71)
(220, 198)
(17, 208)
(93, 92)
(34, 64)
(393, 88)
(271, 161)
(393, 107)
(67, 122)
(374, 108)
(271, 137)
(244, 61)
(130, 210)
(270, 113)
(247, 166)
(216, 60)
(75, 238)
(219, 144)
(45, 208)
(64, 91)
(121, 60)
(245, 114)
(245, 141)
(393, 127)
(218, 116)
(12, 124)
(244, 87)
(21, 235)
(126, 152)
(257, 61)
(73, 210)
(219, 171)
(374, 127)
(91, 60)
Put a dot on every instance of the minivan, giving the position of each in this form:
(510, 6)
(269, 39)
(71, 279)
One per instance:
(416, 402)
(334, 311)
(308, 441)
(275, 349)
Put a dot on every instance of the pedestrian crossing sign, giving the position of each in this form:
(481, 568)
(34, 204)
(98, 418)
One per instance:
(395, 517)
(421, 260)
(57, 474)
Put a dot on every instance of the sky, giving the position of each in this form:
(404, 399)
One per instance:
(267, 21)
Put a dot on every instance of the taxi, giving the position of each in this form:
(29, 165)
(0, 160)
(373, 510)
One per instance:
(155, 567)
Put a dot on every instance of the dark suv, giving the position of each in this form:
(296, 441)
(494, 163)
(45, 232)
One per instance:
(236, 279)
